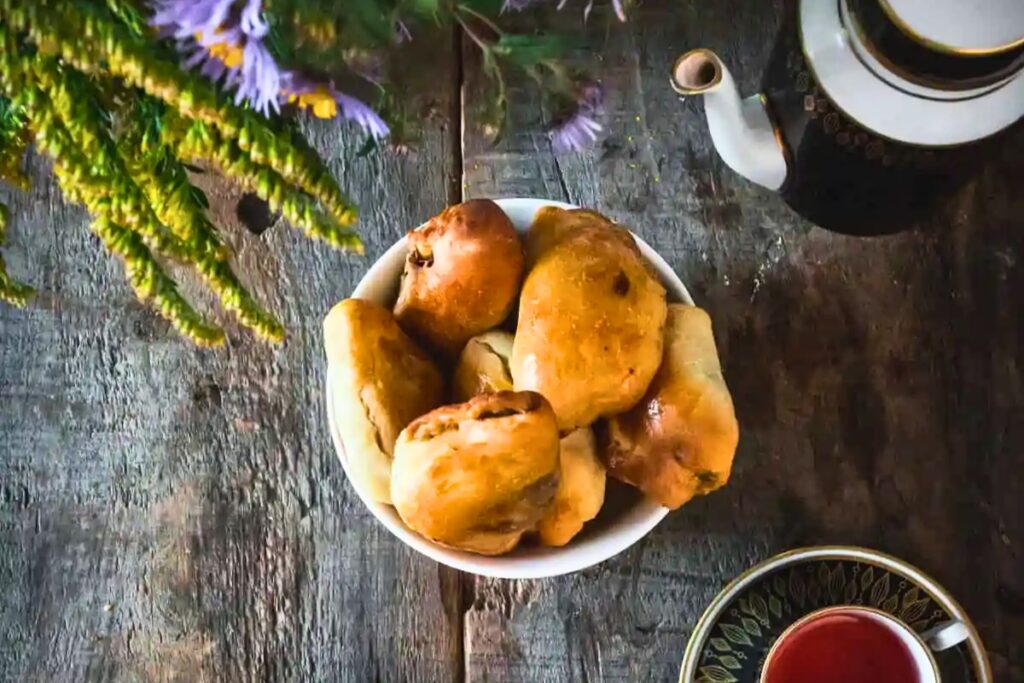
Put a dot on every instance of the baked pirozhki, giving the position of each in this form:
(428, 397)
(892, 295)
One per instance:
(484, 365)
(679, 440)
(580, 493)
(477, 475)
(462, 274)
(591, 318)
(383, 382)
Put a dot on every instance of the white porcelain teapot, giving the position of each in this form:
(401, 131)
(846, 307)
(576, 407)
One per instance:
(870, 109)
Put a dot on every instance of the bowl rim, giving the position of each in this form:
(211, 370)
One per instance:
(594, 549)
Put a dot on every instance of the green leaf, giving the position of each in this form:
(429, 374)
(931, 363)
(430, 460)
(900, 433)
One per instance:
(199, 197)
(850, 594)
(364, 21)
(426, 8)
(736, 634)
(720, 644)
(836, 581)
(758, 607)
(891, 605)
(797, 590)
(751, 627)
(880, 590)
(914, 610)
(866, 578)
(717, 674)
(775, 605)
(529, 50)
(730, 662)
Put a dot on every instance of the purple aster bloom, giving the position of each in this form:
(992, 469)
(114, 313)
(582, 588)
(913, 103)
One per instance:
(580, 128)
(251, 20)
(575, 133)
(359, 112)
(259, 78)
(212, 29)
(186, 18)
(355, 110)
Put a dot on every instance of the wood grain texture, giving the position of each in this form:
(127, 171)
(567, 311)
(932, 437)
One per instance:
(877, 381)
(175, 514)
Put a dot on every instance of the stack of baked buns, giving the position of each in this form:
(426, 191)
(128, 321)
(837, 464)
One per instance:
(490, 404)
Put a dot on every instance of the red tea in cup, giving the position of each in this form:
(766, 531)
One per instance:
(848, 645)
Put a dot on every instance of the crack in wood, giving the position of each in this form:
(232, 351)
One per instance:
(456, 181)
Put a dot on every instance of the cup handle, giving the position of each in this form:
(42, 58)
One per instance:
(945, 635)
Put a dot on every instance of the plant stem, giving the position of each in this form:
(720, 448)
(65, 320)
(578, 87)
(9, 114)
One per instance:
(490, 24)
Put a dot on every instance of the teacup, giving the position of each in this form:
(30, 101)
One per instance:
(853, 644)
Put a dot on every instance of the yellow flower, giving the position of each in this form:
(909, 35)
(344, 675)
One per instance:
(320, 100)
(230, 55)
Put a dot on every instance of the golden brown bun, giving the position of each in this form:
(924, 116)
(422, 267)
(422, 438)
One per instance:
(384, 381)
(580, 492)
(483, 366)
(679, 441)
(591, 318)
(461, 277)
(478, 474)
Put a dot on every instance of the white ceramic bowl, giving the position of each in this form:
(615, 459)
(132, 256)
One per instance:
(625, 518)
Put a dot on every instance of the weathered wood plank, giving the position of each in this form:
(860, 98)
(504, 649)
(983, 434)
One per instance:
(174, 514)
(876, 380)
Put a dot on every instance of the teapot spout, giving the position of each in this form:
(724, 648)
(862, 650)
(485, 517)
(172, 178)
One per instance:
(741, 129)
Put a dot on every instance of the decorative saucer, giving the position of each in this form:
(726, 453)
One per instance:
(733, 636)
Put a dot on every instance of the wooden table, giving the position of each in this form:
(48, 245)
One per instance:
(174, 514)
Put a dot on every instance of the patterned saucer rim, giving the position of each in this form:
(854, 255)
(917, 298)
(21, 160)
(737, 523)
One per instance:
(934, 590)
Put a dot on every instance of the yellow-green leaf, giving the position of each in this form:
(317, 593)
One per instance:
(735, 634)
(717, 674)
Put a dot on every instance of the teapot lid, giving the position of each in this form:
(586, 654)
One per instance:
(960, 27)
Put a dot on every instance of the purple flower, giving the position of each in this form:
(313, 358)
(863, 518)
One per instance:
(251, 20)
(224, 38)
(359, 112)
(579, 128)
(259, 80)
(227, 43)
(325, 100)
(185, 18)
(575, 133)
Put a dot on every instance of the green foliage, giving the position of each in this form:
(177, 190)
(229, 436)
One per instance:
(86, 81)
(529, 50)
(182, 207)
(151, 283)
(93, 87)
(14, 140)
(197, 141)
(309, 34)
